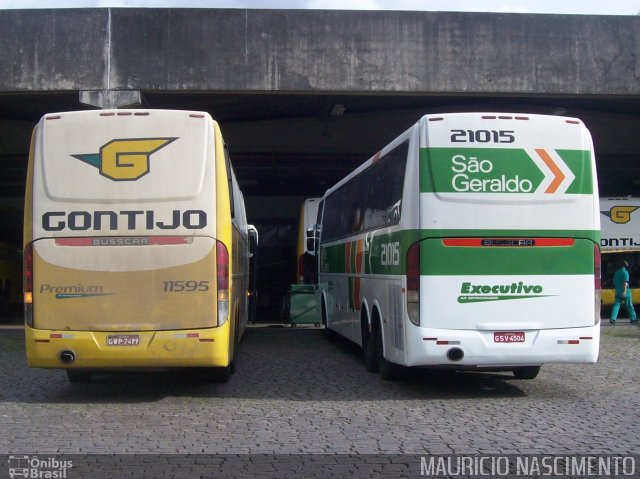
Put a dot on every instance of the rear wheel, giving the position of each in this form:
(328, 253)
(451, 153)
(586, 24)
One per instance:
(329, 334)
(368, 348)
(388, 371)
(78, 376)
(526, 372)
(216, 375)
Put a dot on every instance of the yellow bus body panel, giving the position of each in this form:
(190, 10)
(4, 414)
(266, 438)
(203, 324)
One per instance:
(609, 295)
(161, 349)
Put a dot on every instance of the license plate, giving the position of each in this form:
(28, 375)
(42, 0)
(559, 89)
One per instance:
(123, 340)
(508, 337)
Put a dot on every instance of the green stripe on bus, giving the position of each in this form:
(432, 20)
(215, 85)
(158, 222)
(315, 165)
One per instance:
(497, 170)
(385, 254)
(579, 162)
(437, 259)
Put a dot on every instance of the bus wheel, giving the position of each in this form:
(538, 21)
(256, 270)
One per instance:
(77, 376)
(526, 372)
(329, 334)
(222, 375)
(388, 371)
(369, 349)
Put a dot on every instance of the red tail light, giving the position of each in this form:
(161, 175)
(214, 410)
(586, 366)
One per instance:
(597, 266)
(413, 283)
(222, 281)
(28, 272)
(413, 268)
(301, 268)
(28, 284)
(222, 267)
(597, 282)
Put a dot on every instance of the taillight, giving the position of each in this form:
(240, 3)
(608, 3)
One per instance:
(597, 266)
(413, 283)
(301, 268)
(222, 281)
(28, 284)
(597, 281)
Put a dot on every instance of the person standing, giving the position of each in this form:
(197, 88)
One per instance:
(623, 293)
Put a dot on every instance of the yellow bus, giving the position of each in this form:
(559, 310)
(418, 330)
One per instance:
(135, 244)
(620, 241)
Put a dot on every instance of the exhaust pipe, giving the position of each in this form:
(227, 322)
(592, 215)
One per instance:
(455, 354)
(68, 356)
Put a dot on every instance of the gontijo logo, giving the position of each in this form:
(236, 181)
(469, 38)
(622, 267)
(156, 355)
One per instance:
(125, 159)
(620, 214)
(479, 293)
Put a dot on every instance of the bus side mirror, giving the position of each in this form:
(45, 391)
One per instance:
(313, 239)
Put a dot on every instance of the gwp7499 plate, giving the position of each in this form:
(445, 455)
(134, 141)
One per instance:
(123, 340)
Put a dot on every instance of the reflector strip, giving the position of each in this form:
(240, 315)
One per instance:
(186, 335)
(568, 341)
(60, 336)
(445, 341)
(508, 242)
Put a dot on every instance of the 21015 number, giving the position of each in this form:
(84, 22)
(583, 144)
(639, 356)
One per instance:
(185, 286)
(483, 136)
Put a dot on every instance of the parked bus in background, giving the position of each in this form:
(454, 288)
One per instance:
(253, 273)
(471, 241)
(10, 278)
(135, 244)
(620, 240)
(307, 270)
(10, 261)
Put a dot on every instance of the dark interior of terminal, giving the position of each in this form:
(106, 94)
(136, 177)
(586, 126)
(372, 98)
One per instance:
(291, 139)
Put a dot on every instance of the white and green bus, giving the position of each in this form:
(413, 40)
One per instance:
(471, 241)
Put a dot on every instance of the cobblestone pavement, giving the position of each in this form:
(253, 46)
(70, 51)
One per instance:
(296, 393)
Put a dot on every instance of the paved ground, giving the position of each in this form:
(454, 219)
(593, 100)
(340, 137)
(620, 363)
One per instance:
(295, 393)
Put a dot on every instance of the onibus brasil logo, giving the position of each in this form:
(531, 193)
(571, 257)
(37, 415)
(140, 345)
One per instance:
(125, 159)
(481, 293)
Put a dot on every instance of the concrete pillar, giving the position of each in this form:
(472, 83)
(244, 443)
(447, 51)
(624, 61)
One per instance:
(109, 99)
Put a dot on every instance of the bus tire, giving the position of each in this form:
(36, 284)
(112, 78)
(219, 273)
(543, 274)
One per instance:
(368, 348)
(222, 375)
(78, 376)
(388, 371)
(329, 334)
(526, 372)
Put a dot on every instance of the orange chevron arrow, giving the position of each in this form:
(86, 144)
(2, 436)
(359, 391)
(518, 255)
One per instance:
(559, 175)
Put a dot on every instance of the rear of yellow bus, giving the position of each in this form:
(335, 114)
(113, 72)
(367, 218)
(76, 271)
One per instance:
(507, 275)
(127, 243)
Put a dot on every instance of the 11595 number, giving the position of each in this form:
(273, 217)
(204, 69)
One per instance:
(187, 286)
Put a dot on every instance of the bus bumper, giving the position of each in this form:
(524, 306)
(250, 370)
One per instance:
(433, 347)
(129, 349)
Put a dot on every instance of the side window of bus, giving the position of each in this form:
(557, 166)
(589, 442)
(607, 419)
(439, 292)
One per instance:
(372, 199)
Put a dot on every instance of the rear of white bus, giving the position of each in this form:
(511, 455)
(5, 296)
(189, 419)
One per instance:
(126, 259)
(506, 274)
